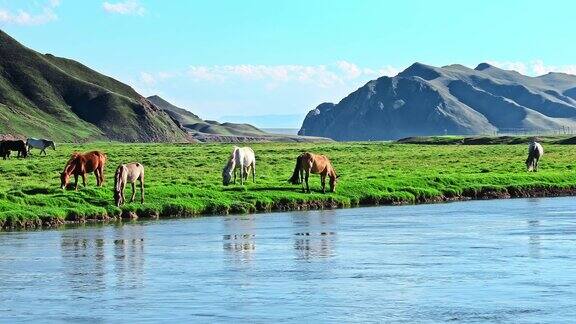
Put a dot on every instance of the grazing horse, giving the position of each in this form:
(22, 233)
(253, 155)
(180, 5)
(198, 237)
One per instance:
(82, 163)
(40, 144)
(308, 163)
(242, 158)
(128, 173)
(7, 146)
(535, 152)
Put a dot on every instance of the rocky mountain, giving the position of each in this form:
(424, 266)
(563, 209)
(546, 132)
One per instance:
(42, 95)
(425, 100)
(213, 131)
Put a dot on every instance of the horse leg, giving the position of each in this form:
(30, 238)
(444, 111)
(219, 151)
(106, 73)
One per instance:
(133, 192)
(84, 179)
(248, 170)
(254, 172)
(242, 171)
(536, 165)
(101, 170)
(323, 182)
(141, 190)
(306, 179)
(75, 182)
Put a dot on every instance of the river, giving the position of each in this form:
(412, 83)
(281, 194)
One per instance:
(476, 261)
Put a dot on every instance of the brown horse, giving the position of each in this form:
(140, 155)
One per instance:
(308, 163)
(80, 164)
(7, 146)
(128, 173)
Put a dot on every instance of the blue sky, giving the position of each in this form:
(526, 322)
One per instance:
(222, 58)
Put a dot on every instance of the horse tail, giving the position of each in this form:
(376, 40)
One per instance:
(295, 179)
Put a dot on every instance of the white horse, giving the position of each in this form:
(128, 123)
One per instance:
(242, 158)
(125, 174)
(40, 144)
(535, 152)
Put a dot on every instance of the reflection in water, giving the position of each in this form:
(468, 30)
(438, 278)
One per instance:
(239, 237)
(86, 257)
(314, 238)
(534, 239)
(129, 256)
(83, 259)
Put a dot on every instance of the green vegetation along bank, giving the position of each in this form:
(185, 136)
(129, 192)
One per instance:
(184, 180)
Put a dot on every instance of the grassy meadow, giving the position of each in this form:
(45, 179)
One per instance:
(184, 180)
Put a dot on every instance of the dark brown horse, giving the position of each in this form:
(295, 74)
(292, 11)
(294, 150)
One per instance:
(80, 164)
(308, 163)
(7, 146)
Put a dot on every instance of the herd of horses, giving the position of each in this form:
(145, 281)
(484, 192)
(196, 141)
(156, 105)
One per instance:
(241, 158)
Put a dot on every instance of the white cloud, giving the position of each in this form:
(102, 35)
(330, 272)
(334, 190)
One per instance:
(128, 7)
(321, 75)
(27, 18)
(540, 68)
(534, 68)
(351, 70)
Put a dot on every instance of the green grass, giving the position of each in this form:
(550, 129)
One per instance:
(185, 179)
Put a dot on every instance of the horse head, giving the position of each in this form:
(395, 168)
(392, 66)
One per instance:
(333, 181)
(226, 176)
(64, 179)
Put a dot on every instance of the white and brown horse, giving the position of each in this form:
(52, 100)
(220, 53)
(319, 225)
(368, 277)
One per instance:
(242, 158)
(535, 152)
(128, 173)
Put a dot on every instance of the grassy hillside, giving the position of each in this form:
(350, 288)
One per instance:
(46, 96)
(185, 180)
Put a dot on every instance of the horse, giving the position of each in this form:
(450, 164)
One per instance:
(82, 163)
(40, 144)
(7, 146)
(308, 163)
(242, 158)
(535, 152)
(128, 173)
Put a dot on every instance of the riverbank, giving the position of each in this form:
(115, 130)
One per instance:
(184, 180)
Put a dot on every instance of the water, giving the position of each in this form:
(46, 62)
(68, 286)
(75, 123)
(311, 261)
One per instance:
(496, 261)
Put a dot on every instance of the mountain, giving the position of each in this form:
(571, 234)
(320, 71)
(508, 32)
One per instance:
(213, 131)
(42, 95)
(424, 100)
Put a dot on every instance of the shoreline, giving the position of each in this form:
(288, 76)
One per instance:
(511, 192)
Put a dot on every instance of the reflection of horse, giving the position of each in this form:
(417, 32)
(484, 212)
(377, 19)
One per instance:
(128, 173)
(80, 164)
(7, 146)
(40, 144)
(535, 152)
(308, 163)
(242, 158)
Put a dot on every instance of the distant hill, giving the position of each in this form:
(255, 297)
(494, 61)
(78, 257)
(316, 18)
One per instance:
(276, 121)
(213, 131)
(47, 96)
(425, 100)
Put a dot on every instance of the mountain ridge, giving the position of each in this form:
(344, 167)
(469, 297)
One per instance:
(424, 100)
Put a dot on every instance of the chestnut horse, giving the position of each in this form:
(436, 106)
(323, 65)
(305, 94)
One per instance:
(308, 163)
(80, 164)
